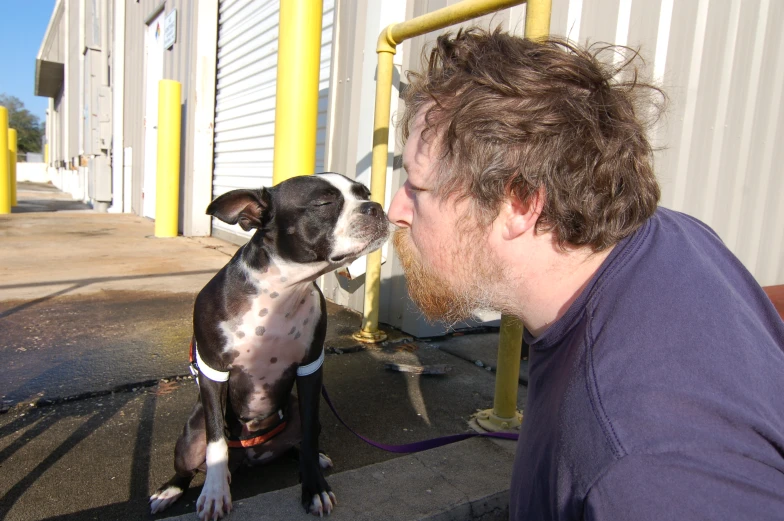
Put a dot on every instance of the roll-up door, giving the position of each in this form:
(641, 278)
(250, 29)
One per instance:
(245, 96)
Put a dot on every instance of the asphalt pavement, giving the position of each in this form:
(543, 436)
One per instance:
(95, 318)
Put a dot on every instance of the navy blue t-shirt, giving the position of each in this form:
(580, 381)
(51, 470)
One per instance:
(660, 393)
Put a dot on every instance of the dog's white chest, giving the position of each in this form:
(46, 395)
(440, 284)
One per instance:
(272, 338)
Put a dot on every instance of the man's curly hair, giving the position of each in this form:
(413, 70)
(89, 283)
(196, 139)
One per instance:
(512, 116)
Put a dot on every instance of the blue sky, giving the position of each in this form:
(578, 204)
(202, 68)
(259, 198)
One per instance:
(22, 28)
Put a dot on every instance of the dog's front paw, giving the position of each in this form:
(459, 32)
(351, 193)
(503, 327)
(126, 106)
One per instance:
(215, 499)
(317, 498)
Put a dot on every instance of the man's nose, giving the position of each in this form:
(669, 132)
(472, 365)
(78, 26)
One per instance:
(399, 212)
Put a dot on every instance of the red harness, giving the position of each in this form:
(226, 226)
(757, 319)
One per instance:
(247, 440)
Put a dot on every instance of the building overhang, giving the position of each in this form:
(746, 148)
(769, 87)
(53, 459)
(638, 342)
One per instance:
(49, 77)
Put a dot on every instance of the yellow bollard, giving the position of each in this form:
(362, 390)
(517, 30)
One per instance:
(167, 182)
(504, 414)
(5, 167)
(370, 333)
(297, 90)
(12, 163)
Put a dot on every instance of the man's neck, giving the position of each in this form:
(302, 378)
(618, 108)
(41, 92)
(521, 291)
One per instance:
(543, 288)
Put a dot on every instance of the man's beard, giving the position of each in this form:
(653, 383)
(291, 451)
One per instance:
(436, 296)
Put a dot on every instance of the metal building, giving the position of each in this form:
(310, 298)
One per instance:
(721, 62)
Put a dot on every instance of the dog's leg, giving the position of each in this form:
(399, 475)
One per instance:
(189, 453)
(317, 496)
(215, 499)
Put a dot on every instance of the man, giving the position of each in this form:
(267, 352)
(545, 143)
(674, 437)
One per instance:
(656, 384)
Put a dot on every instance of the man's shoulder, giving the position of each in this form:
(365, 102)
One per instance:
(680, 484)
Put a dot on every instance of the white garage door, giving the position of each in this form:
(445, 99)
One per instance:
(245, 95)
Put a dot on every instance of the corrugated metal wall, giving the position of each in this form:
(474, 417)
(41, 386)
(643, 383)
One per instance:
(54, 46)
(245, 97)
(58, 123)
(54, 51)
(722, 64)
(72, 77)
(177, 65)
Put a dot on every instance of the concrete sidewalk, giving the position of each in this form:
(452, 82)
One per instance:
(95, 321)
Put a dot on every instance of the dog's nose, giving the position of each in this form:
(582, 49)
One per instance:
(371, 209)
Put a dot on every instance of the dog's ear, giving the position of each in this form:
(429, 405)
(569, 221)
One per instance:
(243, 207)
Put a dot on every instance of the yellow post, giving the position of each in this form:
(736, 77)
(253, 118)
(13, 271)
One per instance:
(12, 163)
(5, 167)
(370, 334)
(388, 41)
(296, 102)
(537, 19)
(504, 414)
(46, 154)
(167, 182)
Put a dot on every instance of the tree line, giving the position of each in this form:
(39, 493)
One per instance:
(29, 128)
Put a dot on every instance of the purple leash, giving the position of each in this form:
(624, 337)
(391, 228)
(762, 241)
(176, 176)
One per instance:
(418, 446)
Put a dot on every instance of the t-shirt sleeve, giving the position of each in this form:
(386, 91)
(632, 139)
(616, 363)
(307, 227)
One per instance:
(677, 486)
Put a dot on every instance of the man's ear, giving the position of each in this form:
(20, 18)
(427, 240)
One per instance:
(521, 216)
(241, 206)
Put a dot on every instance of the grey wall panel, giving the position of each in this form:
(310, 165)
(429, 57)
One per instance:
(59, 130)
(721, 63)
(54, 47)
(133, 121)
(245, 96)
(177, 65)
(73, 76)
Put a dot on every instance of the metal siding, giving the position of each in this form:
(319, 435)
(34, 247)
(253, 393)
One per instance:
(72, 91)
(721, 63)
(245, 96)
(133, 124)
(723, 71)
(177, 64)
(59, 129)
(54, 46)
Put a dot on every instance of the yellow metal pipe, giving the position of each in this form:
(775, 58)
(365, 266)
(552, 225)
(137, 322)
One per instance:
(12, 150)
(507, 373)
(297, 90)
(5, 167)
(444, 17)
(167, 175)
(388, 41)
(378, 180)
(537, 19)
(504, 414)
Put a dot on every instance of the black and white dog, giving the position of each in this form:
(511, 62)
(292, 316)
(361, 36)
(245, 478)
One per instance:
(259, 327)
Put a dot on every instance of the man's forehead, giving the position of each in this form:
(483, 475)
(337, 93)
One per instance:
(417, 154)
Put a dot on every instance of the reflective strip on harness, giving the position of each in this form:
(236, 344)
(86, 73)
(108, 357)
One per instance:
(209, 372)
(305, 370)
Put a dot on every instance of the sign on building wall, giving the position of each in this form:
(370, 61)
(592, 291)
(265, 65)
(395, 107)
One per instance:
(170, 29)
